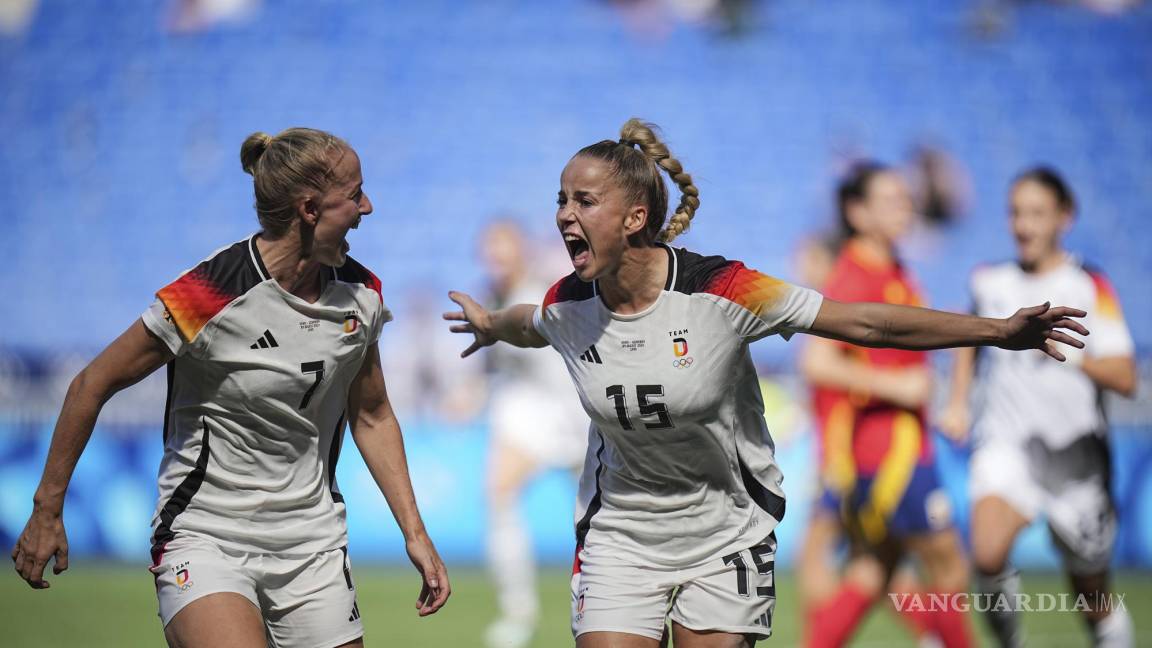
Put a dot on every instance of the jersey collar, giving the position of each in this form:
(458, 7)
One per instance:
(669, 282)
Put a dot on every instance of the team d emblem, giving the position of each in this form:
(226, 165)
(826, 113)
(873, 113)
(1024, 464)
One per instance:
(351, 322)
(680, 350)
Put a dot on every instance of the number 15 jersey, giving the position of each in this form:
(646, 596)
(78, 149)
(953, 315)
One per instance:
(680, 464)
(257, 398)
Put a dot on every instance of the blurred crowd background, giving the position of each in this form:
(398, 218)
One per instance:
(119, 168)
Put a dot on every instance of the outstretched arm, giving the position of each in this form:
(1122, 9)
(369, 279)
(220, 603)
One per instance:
(377, 435)
(512, 325)
(909, 327)
(130, 358)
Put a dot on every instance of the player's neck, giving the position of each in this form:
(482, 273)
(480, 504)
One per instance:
(874, 249)
(504, 285)
(1046, 263)
(296, 273)
(637, 282)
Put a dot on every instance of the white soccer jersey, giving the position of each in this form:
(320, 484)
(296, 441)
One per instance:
(514, 367)
(1027, 394)
(256, 402)
(680, 464)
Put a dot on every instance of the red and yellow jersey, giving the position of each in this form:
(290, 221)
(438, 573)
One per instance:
(860, 434)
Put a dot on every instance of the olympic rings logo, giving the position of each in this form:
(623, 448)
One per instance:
(682, 362)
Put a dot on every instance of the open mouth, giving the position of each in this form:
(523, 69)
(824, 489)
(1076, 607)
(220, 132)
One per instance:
(577, 248)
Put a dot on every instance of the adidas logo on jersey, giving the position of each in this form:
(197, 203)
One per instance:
(264, 341)
(355, 612)
(591, 355)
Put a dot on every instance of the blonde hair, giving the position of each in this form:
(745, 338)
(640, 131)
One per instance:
(637, 171)
(285, 167)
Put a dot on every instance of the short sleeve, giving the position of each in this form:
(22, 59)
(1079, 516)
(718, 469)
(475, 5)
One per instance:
(542, 327)
(158, 320)
(759, 305)
(382, 317)
(1110, 335)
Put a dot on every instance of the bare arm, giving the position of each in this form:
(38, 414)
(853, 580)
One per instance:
(1117, 373)
(377, 435)
(128, 360)
(909, 327)
(826, 365)
(512, 325)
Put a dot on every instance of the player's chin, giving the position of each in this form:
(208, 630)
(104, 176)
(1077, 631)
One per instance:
(585, 273)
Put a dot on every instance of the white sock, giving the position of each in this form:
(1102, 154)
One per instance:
(1005, 624)
(1115, 630)
(512, 566)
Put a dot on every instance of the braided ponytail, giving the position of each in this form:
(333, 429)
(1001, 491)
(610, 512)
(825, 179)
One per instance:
(637, 172)
(643, 134)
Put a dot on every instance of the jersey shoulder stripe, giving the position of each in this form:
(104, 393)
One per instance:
(353, 272)
(751, 290)
(202, 292)
(696, 273)
(570, 288)
(1107, 302)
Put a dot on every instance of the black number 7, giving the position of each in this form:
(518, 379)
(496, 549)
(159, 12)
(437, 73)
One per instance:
(316, 368)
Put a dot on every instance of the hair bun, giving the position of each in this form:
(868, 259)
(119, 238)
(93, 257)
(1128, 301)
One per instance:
(253, 149)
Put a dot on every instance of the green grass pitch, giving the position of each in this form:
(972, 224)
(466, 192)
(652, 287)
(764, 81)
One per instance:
(96, 605)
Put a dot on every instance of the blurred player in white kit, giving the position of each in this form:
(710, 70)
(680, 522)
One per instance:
(1040, 433)
(536, 424)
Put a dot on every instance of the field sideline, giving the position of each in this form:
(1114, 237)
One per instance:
(110, 605)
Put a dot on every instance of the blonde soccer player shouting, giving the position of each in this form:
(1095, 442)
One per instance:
(681, 491)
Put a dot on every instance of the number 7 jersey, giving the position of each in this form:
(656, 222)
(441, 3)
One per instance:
(680, 464)
(257, 398)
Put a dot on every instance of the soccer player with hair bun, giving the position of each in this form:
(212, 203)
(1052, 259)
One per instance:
(681, 492)
(271, 349)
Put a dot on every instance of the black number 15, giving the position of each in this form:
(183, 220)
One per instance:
(644, 394)
(763, 556)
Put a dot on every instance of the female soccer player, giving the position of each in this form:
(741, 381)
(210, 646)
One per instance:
(681, 492)
(271, 347)
(1041, 437)
(877, 464)
(536, 423)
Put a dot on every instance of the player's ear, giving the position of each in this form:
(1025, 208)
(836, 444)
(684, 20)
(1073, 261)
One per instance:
(635, 219)
(308, 208)
(1067, 218)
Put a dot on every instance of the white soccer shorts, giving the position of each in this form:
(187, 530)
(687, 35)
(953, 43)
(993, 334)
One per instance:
(735, 593)
(306, 601)
(1069, 486)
